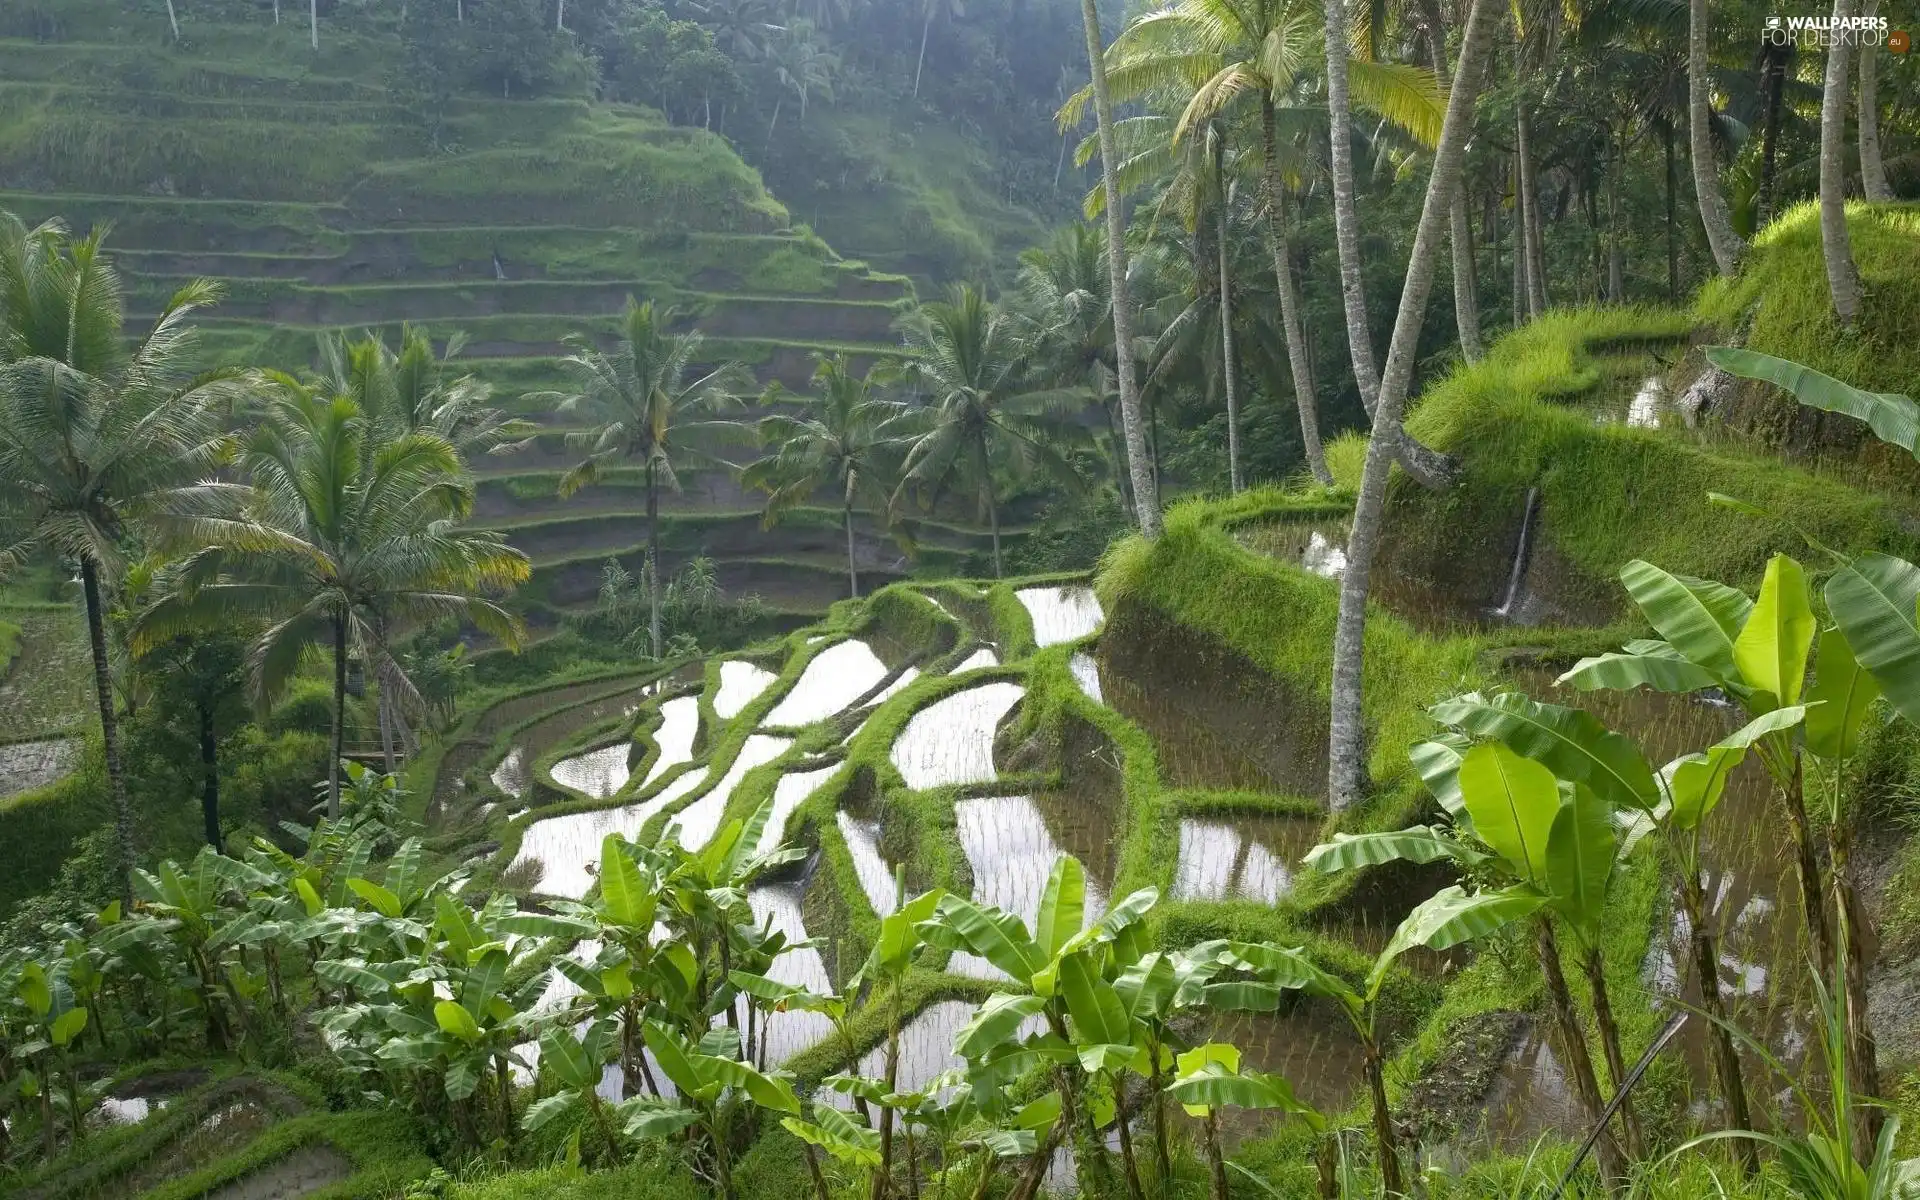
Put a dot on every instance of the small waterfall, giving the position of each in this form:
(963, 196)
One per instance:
(1521, 554)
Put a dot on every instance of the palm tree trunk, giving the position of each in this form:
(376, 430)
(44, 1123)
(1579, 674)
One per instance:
(993, 520)
(1706, 969)
(209, 777)
(1347, 733)
(1668, 135)
(1843, 278)
(1873, 169)
(1303, 396)
(173, 20)
(654, 587)
(1346, 218)
(1466, 293)
(925, 29)
(1616, 244)
(1146, 493)
(339, 716)
(313, 23)
(1229, 368)
(1776, 71)
(109, 728)
(1721, 239)
(1519, 249)
(853, 571)
(1530, 224)
(1573, 1051)
(775, 123)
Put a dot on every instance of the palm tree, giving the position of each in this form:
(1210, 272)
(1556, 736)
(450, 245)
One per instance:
(97, 441)
(1843, 278)
(642, 408)
(800, 66)
(842, 442)
(1146, 493)
(1873, 169)
(413, 391)
(929, 10)
(1346, 761)
(345, 534)
(980, 408)
(1721, 238)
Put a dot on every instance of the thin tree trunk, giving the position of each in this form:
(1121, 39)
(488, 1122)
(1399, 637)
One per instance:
(109, 728)
(1706, 968)
(1775, 84)
(1346, 217)
(775, 123)
(1873, 169)
(993, 519)
(560, 16)
(1519, 249)
(1530, 224)
(655, 587)
(174, 20)
(1595, 964)
(1843, 278)
(339, 716)
(1146, 493)
(1123, 1123)
(313, 23)
(1616, 243)
(1386, 1143)
(1466, 298)
(853, 569)
(1573, 1051)
(1229, 367)
(1216, 1164)
(920, 66)
(1807, 861)
(882, 1178)
(209, 777)
(1863, 1059)
(1303, 395)
(1347, 733)
(1668, 136)
(1721, 239)
(813, 1169)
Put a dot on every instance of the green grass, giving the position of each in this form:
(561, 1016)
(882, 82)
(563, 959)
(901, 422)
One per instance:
(48, 685)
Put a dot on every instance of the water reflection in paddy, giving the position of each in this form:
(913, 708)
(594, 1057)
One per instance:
(1012, 851)
(777, 906)
(597, 773)
(1240, 857)
(679, 720)
(833, 679)
(951, 740)
(1086, 673)
(567, 849)
(792, 790)
(979, 660)
(1061, 614)
(511, 775)
(741, 683)
(699, 821)
(862, 837)
(926, 1047)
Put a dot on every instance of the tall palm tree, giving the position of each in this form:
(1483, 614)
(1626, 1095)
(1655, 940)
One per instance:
(1210, 57)
(346, 534)
(842, 442)
(1146, 492)
(1873, 168)
(642, 409)
(929, 11)
(97, 440)
(980, 408)
(1843, 277)
(413, 390)
(1721, 238)
(1347, 734)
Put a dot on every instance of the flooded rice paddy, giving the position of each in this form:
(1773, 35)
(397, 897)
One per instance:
(926, 1047)
(831, 682)
(698, 822)
(777, 907)
(741, 683)
(980, 659)
(901, 683)
(862, 837)
(1086, 673)
(679, 721)
(597, 773)
(1061, 614)
(25, 766)
(951, 740)
(790, 793)
(1240, 857)
(1011, 848)
(567, 849)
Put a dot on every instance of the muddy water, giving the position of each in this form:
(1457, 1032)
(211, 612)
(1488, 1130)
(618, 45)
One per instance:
(777, 906)
(741, 683)
(1011, 847)
(512, 776)
(297, 1173)
(1215, 721)
(792, 791)
(833, 680)
(598, 773)
(1651, 404)
(568, 848)
(231, 1124)
(984, 657)
(1310, 1043)
(1086, 673)
(1061, 614)
(679, 721)
(951, 740)
(1317, 546)
(1240, 857)
(862, 837)
(699, 821)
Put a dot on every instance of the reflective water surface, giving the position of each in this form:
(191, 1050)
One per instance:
(951, 740)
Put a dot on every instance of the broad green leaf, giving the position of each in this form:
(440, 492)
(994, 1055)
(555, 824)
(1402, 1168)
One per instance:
(1894, 418)
(1697, 781)
(1098, 1016)
(1624, 671)
(1351, 851)
(1062, 906)
(562, 1054)
(404, 865)
(1873, 599)
(32, 988)
(352, 972)
(67, 1026)
(1212, 1087)
(1112, 1056)
(461, 1079)
(482, 982)
(1450, 917)
(999, 937)
(671, 1053)
(542, 1113)
(768, 1091)
(1842, 694)
(545, 925)
(309, 898)
(899, 931)
(1697, 617)
(1243, 995)
(456, 1021)
(1570, 742)
(1003, 1143)
(995, 1023)
(1145, 987)
(1122, 916)
(1039, 1114)
(1290, 967)
(378, 898)
(852, 1153)
(1513, 801)
(456, 926)
(1438, 762)
(1773, 645)
(1580, 857)
(1222, 1056)
(623, 893)
(649, 1117)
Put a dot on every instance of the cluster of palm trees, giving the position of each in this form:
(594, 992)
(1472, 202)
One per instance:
(324, 515)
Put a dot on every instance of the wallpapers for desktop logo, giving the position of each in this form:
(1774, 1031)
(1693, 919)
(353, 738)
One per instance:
(1817, 32)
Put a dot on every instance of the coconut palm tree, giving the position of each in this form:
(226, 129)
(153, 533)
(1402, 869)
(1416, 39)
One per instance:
(1873, 168)
(643, 409)
(1721, 238)
(843, 442)
(1843, 277)
(413, 390)
(346, 533)
(981, 409)
(1346, 762)
(930, 10)
(98, 440)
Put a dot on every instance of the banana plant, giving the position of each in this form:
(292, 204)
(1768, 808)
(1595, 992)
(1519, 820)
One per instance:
(200, 911)
(1156, 987)
(853, 1142)
(715, 1086)
(1210, 1078)
(45, 1018)
(905, 934)
(575, 1064)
